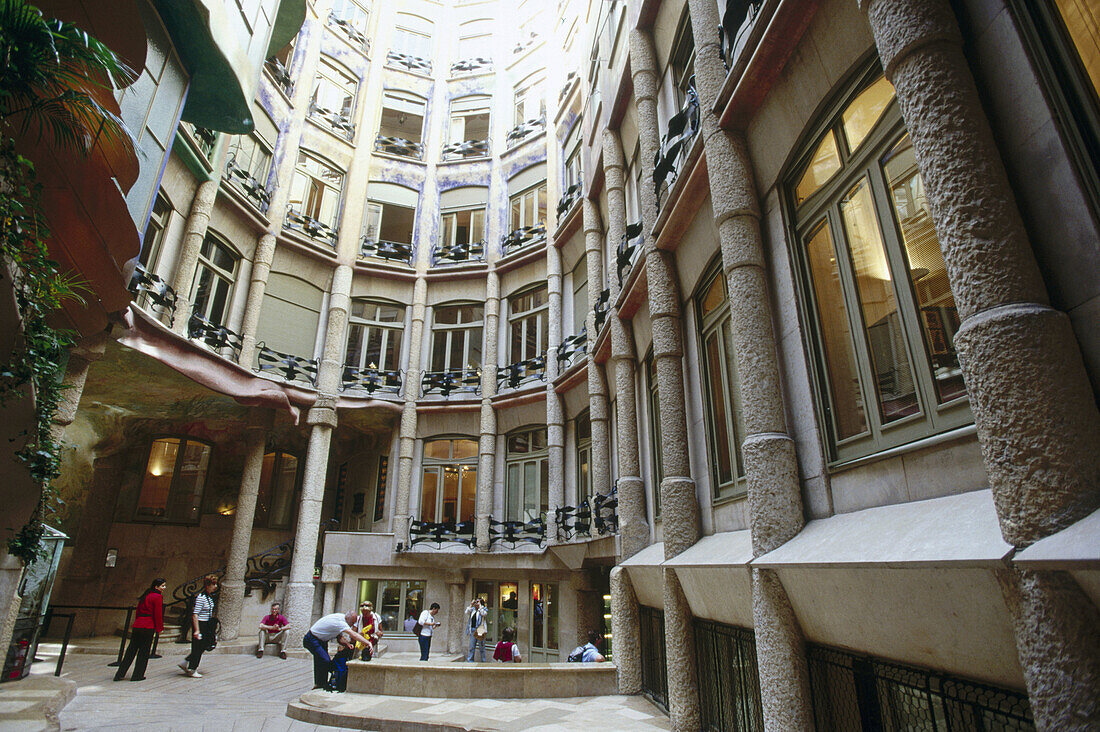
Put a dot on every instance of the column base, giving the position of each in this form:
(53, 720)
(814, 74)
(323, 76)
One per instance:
(780, 656)
(230, 604)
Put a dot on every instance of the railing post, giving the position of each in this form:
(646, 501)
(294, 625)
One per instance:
(125, 635)
(65, 644)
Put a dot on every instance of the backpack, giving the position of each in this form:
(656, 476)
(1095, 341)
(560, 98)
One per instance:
(577, 656)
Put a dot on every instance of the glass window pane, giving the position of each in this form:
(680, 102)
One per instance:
(429, 490)
(355, 346)
(474, 358)
(389, 605)
(437, 449)
(414, 599)
(465, 449)
(715, 297)
(153, 500)
(469, 494)
(1082, 19)
(862, 114)
(824, 163)
(282, 503)
(183, 501)
(537, 616)
(449, 507)
(720, 437)
(544, 486)
(733, 390)
(885, 336)
(530, 491)
(551, 616)
(513, 493)
(439, 350)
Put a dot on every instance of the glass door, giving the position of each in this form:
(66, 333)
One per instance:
(502, 600)
(544, 623)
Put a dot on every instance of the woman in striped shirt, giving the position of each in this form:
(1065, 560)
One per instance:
(203, 626)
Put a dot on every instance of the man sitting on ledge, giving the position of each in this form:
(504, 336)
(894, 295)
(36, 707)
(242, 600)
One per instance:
(316, 642)
(273, 630)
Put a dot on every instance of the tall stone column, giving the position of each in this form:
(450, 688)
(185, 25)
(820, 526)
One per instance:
(456, 590)
(332, 357)
(771, 466)
(407, 435)
(679, 507)
(633, 522)
(261, 268)
(555, 410)
(487, 448)
(81, 358)
(299, 590)
(1037, 421)
(232, 586)
(331, 577)
(194, 232)
(625, 632)
(598, 412)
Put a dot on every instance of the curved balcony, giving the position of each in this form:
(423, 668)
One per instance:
(515, 375)
(602, 308)
(153, 295)
(471, 65)
(371, 380)
(392, 251)
(285, 365)
(572, 347)
(524, 44)
(399, 146)
(570, 79)
(415, 64)
(440, 533)
(627, 251)
(254, 190)
(459, 252)
(675, 145)
(569, 199)
(352, 33)
(337, 121)
(279, 74)
(514, 533)
(465, 149)
(218, 338)
(454, 381)
(523, 238)
(737, 18)
(600, 514)
(311, 227)
(524, 130)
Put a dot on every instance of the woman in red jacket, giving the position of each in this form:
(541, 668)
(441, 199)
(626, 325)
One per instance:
(149, 622)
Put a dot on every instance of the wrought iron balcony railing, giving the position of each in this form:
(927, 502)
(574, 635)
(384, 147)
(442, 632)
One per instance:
(601, 309)
(515, 374)
(465, 149)
(371, 380)
(289, 367)
(441, 533)
(280, 75)
(628, 249)
(206, 139)
(523, 130)
(153, 294)
(310, 226)
(354, 34)
(569, 79)
(393, 251)
(569, 199)
(738, 17)
(396, 59)
(682, 129)
(470, 65)
(217, 338)
(256, 191)
(526, 43)
(517, 532)
(451, 382)
(599, 513)
(457, 252)
(524, 237)
(399, 146)
(338, 121)
(571, 347)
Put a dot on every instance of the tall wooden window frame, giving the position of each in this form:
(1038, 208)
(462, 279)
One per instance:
(375, 331)
(449, 462)
(457, 337)
(528, 324)
(187, 470)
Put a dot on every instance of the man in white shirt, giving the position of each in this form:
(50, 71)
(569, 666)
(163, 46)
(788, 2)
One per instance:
(316, 642)
(428, 623)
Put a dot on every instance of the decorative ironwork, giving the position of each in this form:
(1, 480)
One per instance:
(411, 63)
(523, 45)
(336, 120)
(737, 18)
(465, 149)
(468, 65)
(399, 146)
(459, 252)
(393, 251)
(569, 79)
(205, 138)
(280, 75)
(256, 191)
(602, 308)
(524, 237)
(442, 533)
(628, 249)
(523, 130)
(354, 34)
(729, 683)
(569, 198)
(851, 691)
(517, 532)
(448, 382)
(153, 292)
(572, 346)
(264, 569)
(310, 226)
(216, 337)
(291, 368)
(599, 513)
(682, 129)
(515, 374)
(371, 380)
(651, 632)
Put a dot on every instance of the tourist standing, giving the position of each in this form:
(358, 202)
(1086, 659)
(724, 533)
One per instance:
(204, 625)
(506, 650)
(476, 628)
(148, 622)
(369, 626)
(427, 624)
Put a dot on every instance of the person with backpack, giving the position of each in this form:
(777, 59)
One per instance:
(589, 652)
(204, 624)
(506, 650)
(148, 622)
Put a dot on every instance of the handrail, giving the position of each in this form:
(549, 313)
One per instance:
(151, 287)
(453, 380)
(738, 17)
(371, 379)
(456, 252)
(523, 237)
(290, 367)
(602, 308)
(214, 336)
(394, 251)
(675, 144)
(399, 146)
(515, 374)
(311, 227)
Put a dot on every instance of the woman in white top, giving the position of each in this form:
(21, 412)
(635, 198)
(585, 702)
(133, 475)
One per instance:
(203, 626)
(427, 623)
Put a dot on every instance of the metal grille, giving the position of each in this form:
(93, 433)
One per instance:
(729, 685)
(654, 673)
(853, 692)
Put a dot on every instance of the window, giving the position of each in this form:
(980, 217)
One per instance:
(527, 316)
(457, 337)
(580, 295)
(315, 191)
(725, 428)
(275, 500)
(633, 186)
(475, 39)
(681, 61)
(333, 99)
(413, 36)
(530, 101)
(277, 67)
(876, 283)
(469, 119)
(389, 222)
(402, 115)
(502, 601)
(542, 647)
(654, 431)
(215, 274)
(527, 487)
(462, 228)
(572, 175)
(175, 474)
(153, 238)
(248, 165)
(394, 600)
(374, 336)
(529, 207)
(582, 432)
(448, 489)
(352, 17)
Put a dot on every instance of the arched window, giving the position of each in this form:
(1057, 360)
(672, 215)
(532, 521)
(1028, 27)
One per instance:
(175, 475)
(314, 205)
(448, 488)
(401, 129)
(413, 36)
(527, 487)
(527, 324)
(374, 335)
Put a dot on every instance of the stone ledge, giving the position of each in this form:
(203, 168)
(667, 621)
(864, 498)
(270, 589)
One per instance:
(483, 680)
(33, 703)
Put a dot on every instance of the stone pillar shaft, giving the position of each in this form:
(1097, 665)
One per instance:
(625, 632)
(332, 357)
(555, 410)
(599, 464)
(407, 435)
(261, 268)
(487, 448)
(455, 617)
(232, 594)
(194, 233)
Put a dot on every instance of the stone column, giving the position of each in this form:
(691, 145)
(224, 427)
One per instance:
(633, 522)
(771, 466)
(679, 507)
(555, 410)
(598, 412)
(456, 587)
(261, 268)
(624, 628)
(408, 416)
(194, 233)
(232, 586)
(331, 576)
(299, 590)
(1037, 421)
(487, 449)
(332, 358)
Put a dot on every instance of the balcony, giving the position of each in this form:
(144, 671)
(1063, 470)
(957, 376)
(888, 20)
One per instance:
(627, 251)
(523, 238)
(738, 18)
(337, 121)
(454, 381)
(599, 514)
(353, 34)
(371, 380)
(391, 251)
(601, 309)
(514, 533)
(569, 199)
(153, 295)
(471, 65)
(438, 534)
(415, 64)
(459, 252)
(523, 130)
(524, 44)
(572, 347)
(286, 366)
(279, 75)
(570, 79)
(204, 138)
(311, 227)
(515, 375)
(465, 149)
(254, 190)
(675, 145)
(399, 146)
(218, 338)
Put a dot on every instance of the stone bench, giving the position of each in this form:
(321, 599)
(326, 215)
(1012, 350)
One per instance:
(483, 680)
